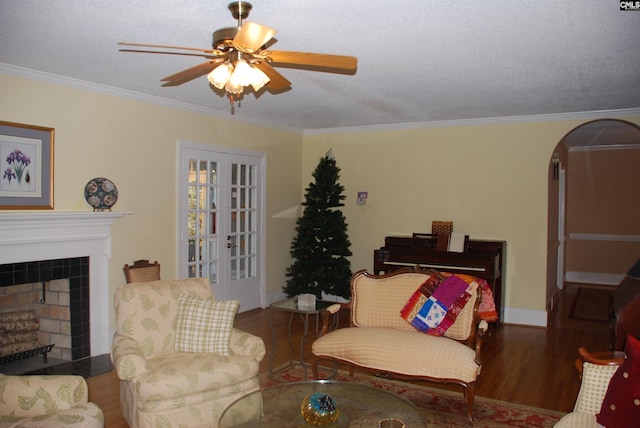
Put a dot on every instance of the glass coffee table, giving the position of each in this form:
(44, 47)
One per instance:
(359, 405)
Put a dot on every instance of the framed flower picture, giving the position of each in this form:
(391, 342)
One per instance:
(26, 166)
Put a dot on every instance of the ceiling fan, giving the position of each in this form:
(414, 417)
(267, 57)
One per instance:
(240, 58)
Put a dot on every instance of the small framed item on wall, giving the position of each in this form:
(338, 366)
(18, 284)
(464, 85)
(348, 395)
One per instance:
(26, 166)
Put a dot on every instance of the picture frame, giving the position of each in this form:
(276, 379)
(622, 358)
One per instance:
(26, 166)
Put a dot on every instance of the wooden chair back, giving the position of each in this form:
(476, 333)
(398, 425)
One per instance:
(142, 271)
(603, 358)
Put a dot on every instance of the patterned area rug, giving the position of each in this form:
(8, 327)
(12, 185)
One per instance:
(592, 304)
(441, 408)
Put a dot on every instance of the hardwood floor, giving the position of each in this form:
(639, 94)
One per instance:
(524, 365)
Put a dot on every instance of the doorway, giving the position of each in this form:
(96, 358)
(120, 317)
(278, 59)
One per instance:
(593, 234)
(221, 219)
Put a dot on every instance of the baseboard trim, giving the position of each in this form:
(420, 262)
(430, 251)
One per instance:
(594, 278)
(528, 317)
(275, 297)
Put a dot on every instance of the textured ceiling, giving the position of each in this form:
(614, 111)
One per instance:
(418, 61)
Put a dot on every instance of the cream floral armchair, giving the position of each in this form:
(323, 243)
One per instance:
(47, 400)
(179, 360)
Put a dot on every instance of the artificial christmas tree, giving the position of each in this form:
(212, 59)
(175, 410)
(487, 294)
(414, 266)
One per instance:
(321, 245)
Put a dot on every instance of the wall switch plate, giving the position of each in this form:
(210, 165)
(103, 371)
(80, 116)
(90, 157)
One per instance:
(362, 198)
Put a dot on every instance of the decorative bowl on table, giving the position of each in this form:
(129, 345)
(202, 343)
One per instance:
(319, 409)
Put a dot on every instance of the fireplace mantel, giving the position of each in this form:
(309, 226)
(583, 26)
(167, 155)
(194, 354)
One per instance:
(46, 235)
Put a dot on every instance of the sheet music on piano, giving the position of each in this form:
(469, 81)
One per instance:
(456, 242)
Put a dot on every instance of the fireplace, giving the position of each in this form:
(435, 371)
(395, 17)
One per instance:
(51, 235)
(57, 291)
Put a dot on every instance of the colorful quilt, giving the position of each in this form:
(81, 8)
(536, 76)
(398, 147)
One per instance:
(435, 305)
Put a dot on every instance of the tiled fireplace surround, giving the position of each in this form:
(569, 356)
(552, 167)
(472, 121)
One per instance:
(59, 292)
(73, 249)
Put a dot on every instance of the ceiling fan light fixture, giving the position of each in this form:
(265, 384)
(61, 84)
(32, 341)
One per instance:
(219, 76)
(259, 79)
(233, 88)
(235, 77)
(247, 75)
(241, 74)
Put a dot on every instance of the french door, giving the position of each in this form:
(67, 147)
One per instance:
(220, 220)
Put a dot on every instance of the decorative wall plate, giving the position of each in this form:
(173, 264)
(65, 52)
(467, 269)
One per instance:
(101, 193)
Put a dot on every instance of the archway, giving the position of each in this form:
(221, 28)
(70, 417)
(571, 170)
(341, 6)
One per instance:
(593, 235)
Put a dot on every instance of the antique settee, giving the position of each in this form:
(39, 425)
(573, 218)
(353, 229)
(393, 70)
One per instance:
(178, 357)
(47, 400)
(382, 336)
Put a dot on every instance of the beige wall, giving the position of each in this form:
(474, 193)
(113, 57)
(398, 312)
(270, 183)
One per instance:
(135, 145)
(492, 181)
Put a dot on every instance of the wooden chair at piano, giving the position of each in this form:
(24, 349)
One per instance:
(142, 271)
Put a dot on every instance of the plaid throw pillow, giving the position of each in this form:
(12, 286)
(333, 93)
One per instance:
(204, 325)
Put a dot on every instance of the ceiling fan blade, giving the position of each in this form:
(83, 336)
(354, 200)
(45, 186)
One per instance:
(201, 55)
(149, 45)
(277, 81)
(252, 36)
(314, 61)
(190, 73)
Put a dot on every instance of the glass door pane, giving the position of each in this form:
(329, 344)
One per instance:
(202, 218)
(242, 220)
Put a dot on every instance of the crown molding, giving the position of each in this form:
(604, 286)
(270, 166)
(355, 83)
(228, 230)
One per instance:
(504, 120)
(41, 76)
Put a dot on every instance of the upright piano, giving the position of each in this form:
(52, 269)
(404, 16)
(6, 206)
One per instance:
(481, 258)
